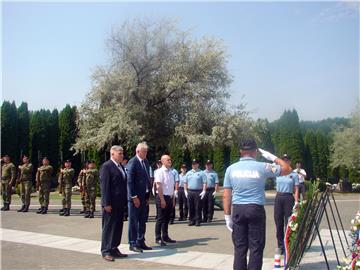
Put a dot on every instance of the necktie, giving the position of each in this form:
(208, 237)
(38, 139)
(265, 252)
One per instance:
(144, 167)
(121, 170)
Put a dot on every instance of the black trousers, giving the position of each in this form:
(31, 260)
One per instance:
(173, 214)
(195, 205)
(183, 204)
(248, 233)
(112, 225)
(284, 203)
(163, 217)
(302, 190)
(208, 204)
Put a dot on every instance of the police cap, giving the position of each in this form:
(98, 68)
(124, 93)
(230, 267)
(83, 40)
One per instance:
(248, 144)
(209, 161)
(195, 161)
(183, 165)
(286, 156)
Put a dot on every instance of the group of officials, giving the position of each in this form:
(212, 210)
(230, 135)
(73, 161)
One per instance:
(130, 187)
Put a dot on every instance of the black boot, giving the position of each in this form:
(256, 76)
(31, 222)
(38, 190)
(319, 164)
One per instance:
(87, 214)
(39, 211)
(83, 211)
(22, 208)
(6, 206)
(67, 212)
(62, 212)
(44, 211)
(91, 214)
(26, 209)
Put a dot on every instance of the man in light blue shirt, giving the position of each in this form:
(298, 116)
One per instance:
(244, 186)
(195, 189)
(183, 202)
(212, 181)
(284, 202)
(173, 214)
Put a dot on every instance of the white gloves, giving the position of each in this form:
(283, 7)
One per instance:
(186, 193)
(267, 155)
(202, 194)
(214, 194)
(296, 205)
(153, 191)
(176, 193)
(229, 222)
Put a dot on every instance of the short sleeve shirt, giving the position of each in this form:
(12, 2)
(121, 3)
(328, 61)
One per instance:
(247, 179)
(211, 178)
(286, 183)
(195, 179)
(167, 179)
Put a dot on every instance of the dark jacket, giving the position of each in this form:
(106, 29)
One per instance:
(138, 178)
(113, 185)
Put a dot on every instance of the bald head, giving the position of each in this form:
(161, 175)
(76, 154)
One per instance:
(166, 161)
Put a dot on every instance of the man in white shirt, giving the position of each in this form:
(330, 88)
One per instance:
(165, 182)
(302, 175)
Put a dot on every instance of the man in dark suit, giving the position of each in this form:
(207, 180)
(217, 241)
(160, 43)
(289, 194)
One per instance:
(113, 199)
(138, 195)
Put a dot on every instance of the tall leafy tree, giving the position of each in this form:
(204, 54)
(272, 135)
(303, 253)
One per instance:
(23, 128)
(161, 82)
(38, 135)
(345, 148)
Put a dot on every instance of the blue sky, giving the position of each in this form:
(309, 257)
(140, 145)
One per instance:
(282, 55)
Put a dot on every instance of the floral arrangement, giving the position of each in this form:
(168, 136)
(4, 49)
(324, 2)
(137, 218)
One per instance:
(296, 219)
(353, 261)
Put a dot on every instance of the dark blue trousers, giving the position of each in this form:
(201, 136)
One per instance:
(284, 202)
(248, 234)
(208, 204)
(112, 225)
(137, 223)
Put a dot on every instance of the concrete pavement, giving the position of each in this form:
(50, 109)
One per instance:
(208, 246)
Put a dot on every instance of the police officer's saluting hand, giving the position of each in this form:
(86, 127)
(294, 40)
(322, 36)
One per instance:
(244, 188)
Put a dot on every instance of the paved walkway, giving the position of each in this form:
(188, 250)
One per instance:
(31, 241)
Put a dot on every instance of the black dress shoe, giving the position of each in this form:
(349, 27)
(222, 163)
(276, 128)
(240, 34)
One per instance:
(161, 243)
(191, 223)
(108, 258)
(135, 249)
(118, 254)
(197, 224)
(145, 247)
(168, 240)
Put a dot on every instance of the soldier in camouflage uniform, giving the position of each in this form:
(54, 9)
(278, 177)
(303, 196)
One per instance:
(8, 178)
(81, 181)
(66, 177)
(43, 181)
(91, 179)
(25, 181)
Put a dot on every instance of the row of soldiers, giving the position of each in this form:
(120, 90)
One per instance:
(87, 181)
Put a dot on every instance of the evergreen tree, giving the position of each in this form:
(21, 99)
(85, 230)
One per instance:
(67, 131)
(323, 154)
(9, 130)
(52, 138)
(23, 128)
(219, 161)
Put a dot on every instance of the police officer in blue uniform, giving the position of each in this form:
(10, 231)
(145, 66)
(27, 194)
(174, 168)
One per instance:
(284, 202)
(173, 214)
(195, 189)
(212, 181)
(183, 203)
(244, 187)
